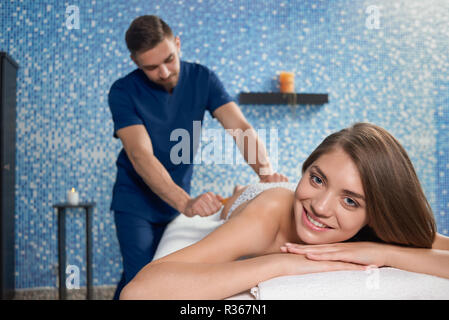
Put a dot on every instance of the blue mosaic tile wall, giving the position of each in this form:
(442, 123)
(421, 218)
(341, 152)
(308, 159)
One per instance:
(392, 71)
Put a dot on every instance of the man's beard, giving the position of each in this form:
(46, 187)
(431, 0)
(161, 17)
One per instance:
(169, 79)
(170, 82)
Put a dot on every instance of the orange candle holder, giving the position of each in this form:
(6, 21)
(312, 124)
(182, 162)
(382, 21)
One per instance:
(287, 82)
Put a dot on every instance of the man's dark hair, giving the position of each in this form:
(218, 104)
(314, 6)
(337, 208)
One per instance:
(146, 32)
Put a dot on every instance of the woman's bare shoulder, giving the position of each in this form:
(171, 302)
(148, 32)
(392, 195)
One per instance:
(269, 202)
(276, 197)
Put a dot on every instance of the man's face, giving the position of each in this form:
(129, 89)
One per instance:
(161, 64)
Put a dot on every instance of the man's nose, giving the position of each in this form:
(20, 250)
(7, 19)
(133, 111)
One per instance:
(163, 72)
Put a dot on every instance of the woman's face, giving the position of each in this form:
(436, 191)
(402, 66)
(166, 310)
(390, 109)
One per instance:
(329, 200)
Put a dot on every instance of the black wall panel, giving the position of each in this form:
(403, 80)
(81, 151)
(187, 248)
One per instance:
(8, 74)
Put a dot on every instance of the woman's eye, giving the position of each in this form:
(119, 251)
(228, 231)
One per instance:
(316, 179)
(351, 202)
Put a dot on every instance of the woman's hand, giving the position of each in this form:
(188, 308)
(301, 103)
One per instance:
(295, 264)
(361, 253)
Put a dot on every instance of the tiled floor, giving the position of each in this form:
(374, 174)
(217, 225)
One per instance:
(100, 293)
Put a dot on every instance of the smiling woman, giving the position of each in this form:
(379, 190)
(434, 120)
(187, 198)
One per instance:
(396, 208)
(325, 207)
(357, 182)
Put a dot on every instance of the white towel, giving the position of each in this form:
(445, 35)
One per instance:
(383, 283)
(373, 284)
(184, 231)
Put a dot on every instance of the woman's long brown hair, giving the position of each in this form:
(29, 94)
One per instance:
(397, 209)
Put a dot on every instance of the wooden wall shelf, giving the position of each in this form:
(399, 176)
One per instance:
(282, 98)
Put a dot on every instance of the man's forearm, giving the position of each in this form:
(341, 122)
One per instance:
(160, 182)
(253, 150)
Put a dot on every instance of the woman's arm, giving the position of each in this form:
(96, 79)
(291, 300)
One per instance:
(430, 261)
(207, 269)
(433, 261)
(190, 280)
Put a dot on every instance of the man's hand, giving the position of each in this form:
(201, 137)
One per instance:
(204, 205)
(275, 177)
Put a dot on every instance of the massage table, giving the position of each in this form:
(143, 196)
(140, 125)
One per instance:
(372, 284)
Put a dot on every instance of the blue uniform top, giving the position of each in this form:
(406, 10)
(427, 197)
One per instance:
(135, 99)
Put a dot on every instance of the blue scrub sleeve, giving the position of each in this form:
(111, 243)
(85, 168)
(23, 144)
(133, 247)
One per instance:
(123, 111)
(217, 95)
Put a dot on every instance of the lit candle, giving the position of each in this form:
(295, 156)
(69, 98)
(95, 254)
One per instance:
(73, 197)
(287, 82)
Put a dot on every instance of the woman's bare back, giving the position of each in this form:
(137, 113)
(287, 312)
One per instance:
(238, 190)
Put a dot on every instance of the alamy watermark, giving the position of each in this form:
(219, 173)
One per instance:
(73, 279)
(72, 17)
(221, 144)
(373, 17)
(372, 282)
